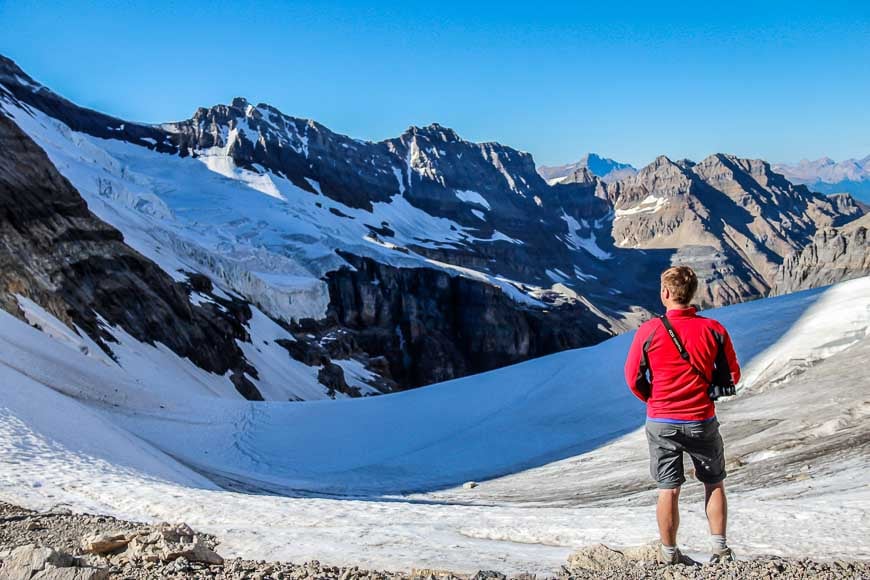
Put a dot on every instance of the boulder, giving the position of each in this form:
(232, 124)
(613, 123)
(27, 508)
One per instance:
(104, 543)
(39, 563)
(22, 562)
(168, 542)
(596, 557)
(84, 573)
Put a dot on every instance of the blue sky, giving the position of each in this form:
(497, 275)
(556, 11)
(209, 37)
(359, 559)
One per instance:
(772, 79)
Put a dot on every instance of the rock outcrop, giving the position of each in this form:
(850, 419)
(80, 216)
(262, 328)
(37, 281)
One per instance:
(834, 255)
(161, 543)
(32, 562)
(601, 562)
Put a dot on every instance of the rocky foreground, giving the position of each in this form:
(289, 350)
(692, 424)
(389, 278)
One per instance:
(60, 545)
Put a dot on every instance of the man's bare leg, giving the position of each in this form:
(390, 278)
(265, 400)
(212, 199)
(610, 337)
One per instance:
(668, 515)
(716, 506)
(717, 515)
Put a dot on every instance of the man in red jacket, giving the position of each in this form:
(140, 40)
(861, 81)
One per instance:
(681, 417)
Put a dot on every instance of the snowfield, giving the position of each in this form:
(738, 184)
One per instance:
(554, 442)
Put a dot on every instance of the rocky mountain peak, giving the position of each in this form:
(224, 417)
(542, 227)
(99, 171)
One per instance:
(661, 177)
(606, 168)
(434, 132)
(240, 103)
(658, 163)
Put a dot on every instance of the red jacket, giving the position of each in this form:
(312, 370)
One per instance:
(678, 392)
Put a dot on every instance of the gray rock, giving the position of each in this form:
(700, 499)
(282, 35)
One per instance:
(84, 573)
(103, 543)
(24, 561)
(167, 543)
(597, 557)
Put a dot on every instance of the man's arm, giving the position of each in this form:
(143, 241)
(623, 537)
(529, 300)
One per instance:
(636, 366)
(726, 356)
(731, 357)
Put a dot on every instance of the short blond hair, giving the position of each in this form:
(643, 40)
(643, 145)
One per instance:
(682, 283)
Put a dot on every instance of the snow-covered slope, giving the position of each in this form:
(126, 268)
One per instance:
(532, 414)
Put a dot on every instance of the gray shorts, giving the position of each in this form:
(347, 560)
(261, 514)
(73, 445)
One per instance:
(700, 439)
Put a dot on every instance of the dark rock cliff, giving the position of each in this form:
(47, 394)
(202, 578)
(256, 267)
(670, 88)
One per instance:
(431, 326)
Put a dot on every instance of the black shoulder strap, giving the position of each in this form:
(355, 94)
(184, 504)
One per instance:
(679, 344)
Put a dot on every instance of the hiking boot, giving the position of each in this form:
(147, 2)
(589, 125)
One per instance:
(678, 558)
(725, 555)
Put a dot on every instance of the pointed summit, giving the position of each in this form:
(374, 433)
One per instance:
(435, 132)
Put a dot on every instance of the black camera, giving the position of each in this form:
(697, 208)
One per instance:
(715, 391)
(722, 385)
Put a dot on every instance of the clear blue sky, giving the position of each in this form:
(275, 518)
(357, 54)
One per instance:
(779, 80)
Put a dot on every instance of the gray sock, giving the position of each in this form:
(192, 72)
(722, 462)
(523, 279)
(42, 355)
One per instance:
(719, 543)
(668, 552)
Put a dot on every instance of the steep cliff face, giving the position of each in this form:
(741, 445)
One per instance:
(431, 326)
(835, 255)
(54, 251)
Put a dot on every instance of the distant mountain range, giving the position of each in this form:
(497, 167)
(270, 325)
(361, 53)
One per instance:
(824, 175)
(828, 176)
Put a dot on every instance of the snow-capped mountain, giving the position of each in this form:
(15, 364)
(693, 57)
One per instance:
(422, 296)
(363, 267)
(605, 168)
(828, 176)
